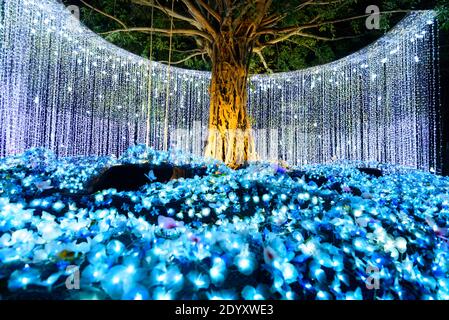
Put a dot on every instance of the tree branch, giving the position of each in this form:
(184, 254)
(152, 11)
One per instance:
(105, 14)
(317, 3)
(200, 53)
(262, 59)
(304, 45)
(305, 35)
(198, 16)
(285, 33)
(308, 35)
(272, 20)
(209, 9)
(182, 51)
(166, 10)
(293, 29)
(156, 5)
(315, 25)
(168, 32)
(243, 9)
(261, 8)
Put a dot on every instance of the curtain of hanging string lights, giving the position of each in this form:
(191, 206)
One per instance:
(65, 88)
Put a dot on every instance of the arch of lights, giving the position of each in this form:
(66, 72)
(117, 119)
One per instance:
(65, 88)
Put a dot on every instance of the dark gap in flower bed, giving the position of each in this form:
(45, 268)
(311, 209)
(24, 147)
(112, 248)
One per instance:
(318, 180)
(372, 172)
(131, 177)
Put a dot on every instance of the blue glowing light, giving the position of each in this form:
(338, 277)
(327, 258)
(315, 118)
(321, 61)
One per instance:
(325, 247)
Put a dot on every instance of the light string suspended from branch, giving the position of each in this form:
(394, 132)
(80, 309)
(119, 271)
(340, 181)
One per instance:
(167, 93)
(67, 89)
(150, 83)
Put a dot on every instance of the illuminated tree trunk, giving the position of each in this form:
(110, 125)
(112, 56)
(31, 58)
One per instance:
(229, 137)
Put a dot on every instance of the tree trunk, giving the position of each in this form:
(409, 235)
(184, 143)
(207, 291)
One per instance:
(230, 138)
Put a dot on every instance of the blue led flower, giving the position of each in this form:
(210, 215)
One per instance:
(196, 238)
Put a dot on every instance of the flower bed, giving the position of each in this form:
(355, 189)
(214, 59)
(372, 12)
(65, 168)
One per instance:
(316, 232)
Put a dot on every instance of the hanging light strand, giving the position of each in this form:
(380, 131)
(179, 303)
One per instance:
(150, 82)
(67, 89)
(167, 92)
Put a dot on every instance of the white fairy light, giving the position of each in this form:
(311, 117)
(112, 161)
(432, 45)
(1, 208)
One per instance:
(308, 116)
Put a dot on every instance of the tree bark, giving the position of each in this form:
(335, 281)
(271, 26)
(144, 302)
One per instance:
(229, 137)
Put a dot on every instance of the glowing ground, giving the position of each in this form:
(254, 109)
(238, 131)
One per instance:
(256, 233)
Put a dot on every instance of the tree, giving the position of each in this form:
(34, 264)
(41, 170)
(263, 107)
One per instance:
(230, 33)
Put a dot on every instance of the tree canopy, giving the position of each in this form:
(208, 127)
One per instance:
(320, 44)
